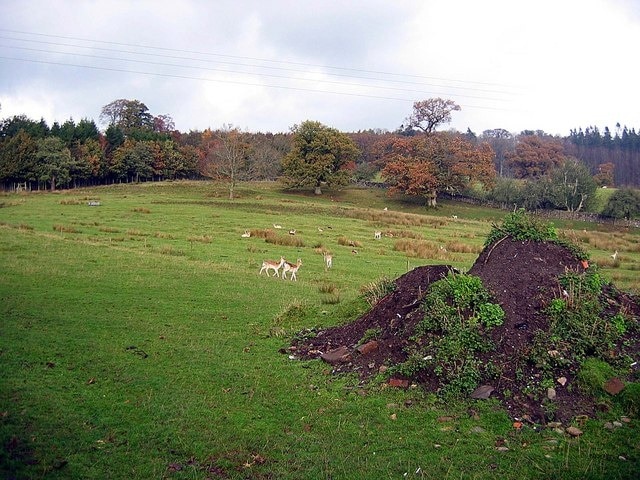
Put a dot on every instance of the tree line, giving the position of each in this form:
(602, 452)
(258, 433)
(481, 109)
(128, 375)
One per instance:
(531, 169)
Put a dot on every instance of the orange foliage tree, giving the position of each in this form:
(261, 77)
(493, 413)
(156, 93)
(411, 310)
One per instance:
(535, 156)
(425, 165)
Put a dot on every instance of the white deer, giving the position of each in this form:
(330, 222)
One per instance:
(328, 259)
(272, 265)
(246, 234)
(615, 256)
(275, 225)
(291, 267)
(377, 235)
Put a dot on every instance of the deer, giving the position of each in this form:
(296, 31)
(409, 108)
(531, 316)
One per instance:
(328, 260)
(272, 265)
(377, 235)
(246, 234)
(291, 267)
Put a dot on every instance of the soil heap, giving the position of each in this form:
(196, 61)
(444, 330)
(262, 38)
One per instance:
(522, 276)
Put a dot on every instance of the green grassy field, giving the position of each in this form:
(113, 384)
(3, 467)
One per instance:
(137, 340)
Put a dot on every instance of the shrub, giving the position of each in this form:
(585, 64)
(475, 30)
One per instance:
(521, 226)
(458, 315)
(375, 291)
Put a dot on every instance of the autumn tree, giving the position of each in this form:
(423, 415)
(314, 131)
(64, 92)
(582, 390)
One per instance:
(427, 165)
(319, 155)
(429, 114)
(605, 175)
(535, 156)
(227, 158)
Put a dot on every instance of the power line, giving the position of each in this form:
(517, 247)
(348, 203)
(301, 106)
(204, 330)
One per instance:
(247, 73)
(234, 82)
(281, 62)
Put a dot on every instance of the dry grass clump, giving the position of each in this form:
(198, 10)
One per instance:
(169, 250)
(403, 234)
(71, 201)
(136, 233)
(344, 241)
(200, 238)
(420, 248)
(141, 210)
(109, 229)
(24, 226)
(285, 240)
(328, 288)
(460, 247)
(382, 217)
(65, 229)
(164, 235)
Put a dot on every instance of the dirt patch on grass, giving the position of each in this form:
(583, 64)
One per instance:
(522, 276)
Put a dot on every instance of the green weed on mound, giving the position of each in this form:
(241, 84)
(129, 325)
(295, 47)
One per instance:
(519, 225)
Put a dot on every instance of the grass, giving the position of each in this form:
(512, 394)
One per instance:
(147, 346)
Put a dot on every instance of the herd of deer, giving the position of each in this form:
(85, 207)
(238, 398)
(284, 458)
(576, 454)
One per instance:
(292, 268)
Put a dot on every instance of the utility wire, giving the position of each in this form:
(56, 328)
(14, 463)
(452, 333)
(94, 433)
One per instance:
(234, 82)
(281, 62)
(331, 82)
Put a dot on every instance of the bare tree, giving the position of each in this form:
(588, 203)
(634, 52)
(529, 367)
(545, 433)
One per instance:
(429, 114)
(227, 157)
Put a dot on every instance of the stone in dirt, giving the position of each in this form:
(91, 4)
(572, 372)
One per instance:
(482, 392)
(338, 355)
(613, 386)
(368, 347)
(398, 383)
(574, 431)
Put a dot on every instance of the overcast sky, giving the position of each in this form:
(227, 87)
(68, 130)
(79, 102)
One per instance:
(264, 65)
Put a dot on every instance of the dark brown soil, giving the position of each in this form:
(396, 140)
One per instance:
(523, 278)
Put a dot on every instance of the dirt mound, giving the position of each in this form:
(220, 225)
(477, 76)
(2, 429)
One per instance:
(522, 276)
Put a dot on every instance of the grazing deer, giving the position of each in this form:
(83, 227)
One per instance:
(246, 234)
(272, 265)
(275, 225)
(291, 267)
(292, 231)
(328, 259)
(377, 235)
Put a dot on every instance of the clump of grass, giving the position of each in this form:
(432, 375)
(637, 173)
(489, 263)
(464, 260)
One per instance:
(70, 201)
(327, 288)
(109, 229)
(291, 312)
(24, 226)
(141, 210)
(344, 241)
(373, 292)
(459, 247)
(167, 236)
(419, 248)
(284, 240)
(200, 239)
(169, 250)
(332, 299)
(404, 234)
(136, 233)
(65, 228)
